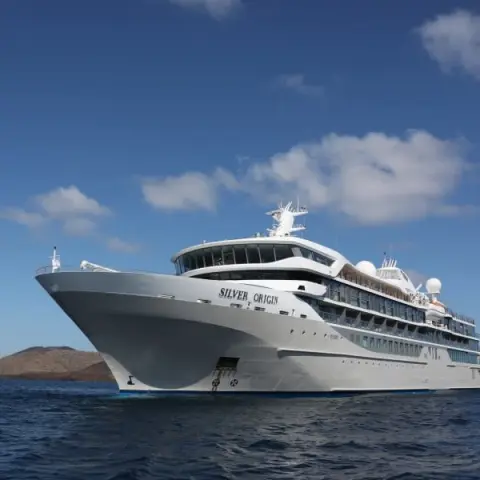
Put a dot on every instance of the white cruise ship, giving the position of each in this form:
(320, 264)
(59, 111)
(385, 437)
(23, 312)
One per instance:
(268, 314)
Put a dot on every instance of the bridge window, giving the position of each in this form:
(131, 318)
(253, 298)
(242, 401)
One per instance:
(217, 256)
(243, 254)
(253, 254)
(315, 256)
(240, 254)
(266, 253)
(207, 257)
(282, 252)
(228, 255)
(189, 263)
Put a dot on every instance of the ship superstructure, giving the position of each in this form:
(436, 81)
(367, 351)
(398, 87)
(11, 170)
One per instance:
(272, 313)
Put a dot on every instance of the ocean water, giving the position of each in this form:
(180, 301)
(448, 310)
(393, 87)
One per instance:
(87, 431)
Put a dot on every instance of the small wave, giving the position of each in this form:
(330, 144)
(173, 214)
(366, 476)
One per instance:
(268, 444)
(68, 435)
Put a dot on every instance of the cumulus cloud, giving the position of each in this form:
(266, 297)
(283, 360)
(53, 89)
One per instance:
(374, 179)
(76, 213)
(218, 9)
(296, 82)
(68, 202)
(453, 40)
(189, 191)
(22, 217)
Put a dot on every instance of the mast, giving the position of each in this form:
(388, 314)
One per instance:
(284, 218)
(55, 261)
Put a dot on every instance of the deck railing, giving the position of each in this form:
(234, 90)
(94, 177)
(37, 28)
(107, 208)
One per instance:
(437, 339)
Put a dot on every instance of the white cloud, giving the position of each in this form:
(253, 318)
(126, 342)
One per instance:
(453, 40)
(68, 202)
(22, 217)
(189, 191)
(75, 211)
(297, 83)
(374, 179)
(218, 9)
(116, 244)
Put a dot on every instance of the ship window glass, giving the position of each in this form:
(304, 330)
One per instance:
(296, 251)
(228, 256)
(189, 263)
(217, 256)
(240, 254)
(199, 259)
(322, 259)
(306, 253)
(207, 257)
(233, 276)
(266, 253)
(283, 251)
(253, 254)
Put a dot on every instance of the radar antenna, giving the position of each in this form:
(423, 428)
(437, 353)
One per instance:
(284, 218)
(388, 262)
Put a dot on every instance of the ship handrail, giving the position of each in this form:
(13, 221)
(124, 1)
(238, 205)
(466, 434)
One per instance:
(64, 268)
(73, 268)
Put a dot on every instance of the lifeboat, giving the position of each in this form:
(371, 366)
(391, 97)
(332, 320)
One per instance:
(436, 310)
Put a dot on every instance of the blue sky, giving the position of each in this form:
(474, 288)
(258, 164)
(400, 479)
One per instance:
(130, 129)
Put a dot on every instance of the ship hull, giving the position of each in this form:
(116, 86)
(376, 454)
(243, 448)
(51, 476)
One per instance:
(161, 333)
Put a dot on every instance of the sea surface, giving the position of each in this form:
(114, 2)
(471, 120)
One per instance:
(87, 431)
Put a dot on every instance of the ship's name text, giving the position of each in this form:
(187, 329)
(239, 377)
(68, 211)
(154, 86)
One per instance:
(242, 296)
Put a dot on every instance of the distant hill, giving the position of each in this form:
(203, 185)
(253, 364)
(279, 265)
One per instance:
(55, 363)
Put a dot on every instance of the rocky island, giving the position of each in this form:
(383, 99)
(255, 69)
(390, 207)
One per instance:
(55, 363)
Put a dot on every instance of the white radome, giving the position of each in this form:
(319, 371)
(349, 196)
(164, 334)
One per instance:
(433, 285)
(367, 267)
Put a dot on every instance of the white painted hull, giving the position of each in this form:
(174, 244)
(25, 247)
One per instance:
(153, 343)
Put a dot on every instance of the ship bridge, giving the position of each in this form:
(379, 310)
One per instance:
(391, 273)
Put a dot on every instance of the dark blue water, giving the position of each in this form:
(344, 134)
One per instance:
(85, 431)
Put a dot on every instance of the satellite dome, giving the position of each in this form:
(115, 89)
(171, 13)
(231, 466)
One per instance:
(433, 286)
(367, 267)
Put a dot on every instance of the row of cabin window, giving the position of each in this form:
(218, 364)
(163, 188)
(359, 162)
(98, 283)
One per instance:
(370, 301)
(388, 326)
(383, 345)
(462, 357)
(335, 290)
(243, 254)
(460, 317)
(461, 328)
(353, 296)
